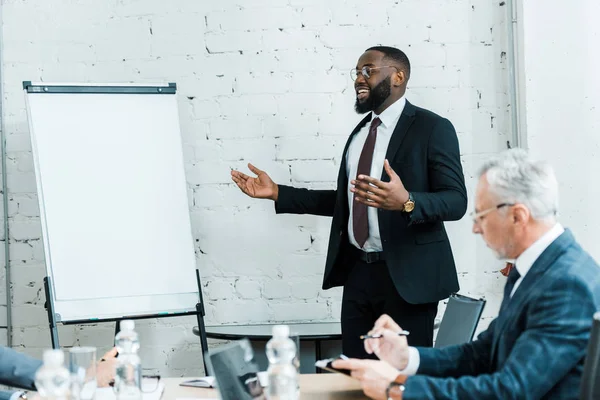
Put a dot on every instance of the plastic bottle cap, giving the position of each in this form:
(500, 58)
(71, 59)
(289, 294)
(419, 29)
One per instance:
(54, 357)
(127, 325)
(281, 331)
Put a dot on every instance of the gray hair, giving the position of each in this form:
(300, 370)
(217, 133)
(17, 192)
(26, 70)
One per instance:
(514, 177)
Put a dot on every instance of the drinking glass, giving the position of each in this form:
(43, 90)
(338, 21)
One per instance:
(296, 339)
(82, 366)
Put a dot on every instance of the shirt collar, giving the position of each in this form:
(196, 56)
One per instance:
(389, 117)
(533, 252)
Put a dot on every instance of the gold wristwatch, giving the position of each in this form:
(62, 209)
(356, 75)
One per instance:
(409, 205)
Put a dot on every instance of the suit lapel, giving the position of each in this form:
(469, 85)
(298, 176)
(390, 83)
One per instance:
(343, 174)
(360, 125)
(527, 287)
(406, 119)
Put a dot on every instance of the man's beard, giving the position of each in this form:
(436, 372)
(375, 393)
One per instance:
(377, 96)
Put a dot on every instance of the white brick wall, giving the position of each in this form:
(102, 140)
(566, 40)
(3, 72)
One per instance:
(265, 81)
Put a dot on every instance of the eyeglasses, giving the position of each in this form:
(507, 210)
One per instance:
(478, 216)
(367, 72)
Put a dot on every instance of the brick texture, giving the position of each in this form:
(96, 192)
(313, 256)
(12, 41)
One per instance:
(265, 82)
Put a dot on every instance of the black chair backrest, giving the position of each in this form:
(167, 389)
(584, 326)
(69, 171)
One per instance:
(460, 320)
(590, 381)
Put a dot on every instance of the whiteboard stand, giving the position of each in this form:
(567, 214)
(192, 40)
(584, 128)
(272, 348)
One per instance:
(113, 200)
(54, 319)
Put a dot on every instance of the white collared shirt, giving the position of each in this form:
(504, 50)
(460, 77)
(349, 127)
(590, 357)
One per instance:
(523, 264)
(389, 119)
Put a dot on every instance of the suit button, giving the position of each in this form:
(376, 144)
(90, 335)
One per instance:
(341, 233)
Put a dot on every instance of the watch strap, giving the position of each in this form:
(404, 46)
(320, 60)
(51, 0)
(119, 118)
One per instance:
(396, 388)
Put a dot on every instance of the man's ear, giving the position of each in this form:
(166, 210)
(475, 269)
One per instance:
(520, 214)
(399, 78)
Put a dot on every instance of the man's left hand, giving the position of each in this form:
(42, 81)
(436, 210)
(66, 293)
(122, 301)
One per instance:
(374, 376)
(374, 193)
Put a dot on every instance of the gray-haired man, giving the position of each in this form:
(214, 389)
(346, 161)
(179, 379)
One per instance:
(535, 348)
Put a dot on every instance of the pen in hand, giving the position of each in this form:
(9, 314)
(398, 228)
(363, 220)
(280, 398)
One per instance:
(377, 336)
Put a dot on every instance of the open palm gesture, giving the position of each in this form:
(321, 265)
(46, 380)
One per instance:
(259, 187)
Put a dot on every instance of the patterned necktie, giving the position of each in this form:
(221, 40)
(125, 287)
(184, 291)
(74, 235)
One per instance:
(360, 222)
(513, 277)
(506, 270)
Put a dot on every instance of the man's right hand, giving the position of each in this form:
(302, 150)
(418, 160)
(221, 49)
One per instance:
(106, 367)
(390, 347)
(261, 187)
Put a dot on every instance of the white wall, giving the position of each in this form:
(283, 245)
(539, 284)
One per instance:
(263, 81)
(561, 46)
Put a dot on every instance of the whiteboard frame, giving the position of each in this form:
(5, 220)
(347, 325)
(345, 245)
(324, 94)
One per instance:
(69, 88)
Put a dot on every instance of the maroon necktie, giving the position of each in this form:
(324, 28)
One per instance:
(360, 222)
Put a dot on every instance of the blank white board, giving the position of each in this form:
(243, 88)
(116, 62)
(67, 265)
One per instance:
(113, 199)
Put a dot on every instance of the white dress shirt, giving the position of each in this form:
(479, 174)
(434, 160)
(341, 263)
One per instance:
(523, 264)
(16, 395)
(389, 119)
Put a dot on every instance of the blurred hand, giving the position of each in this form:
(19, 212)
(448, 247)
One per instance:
(106, 368)
(374, 376)
(261, 187)
(391, 347)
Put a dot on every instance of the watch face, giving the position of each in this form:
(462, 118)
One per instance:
(409, 206)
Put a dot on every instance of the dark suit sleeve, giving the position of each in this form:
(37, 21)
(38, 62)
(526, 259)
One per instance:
(305, 201)
(553, 343)
(5, 394)
(447, 198)
(454, 361)
(17, 369)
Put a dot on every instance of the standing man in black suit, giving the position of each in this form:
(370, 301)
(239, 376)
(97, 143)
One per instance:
(399, 179)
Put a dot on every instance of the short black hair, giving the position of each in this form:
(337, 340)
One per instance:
(394, 54)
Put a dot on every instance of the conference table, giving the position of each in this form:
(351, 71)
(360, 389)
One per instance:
(312, 387)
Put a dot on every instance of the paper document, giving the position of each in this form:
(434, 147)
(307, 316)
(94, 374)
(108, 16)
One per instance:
(210, 380)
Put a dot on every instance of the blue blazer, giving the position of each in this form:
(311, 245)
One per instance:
(17, 370)
(536, 346)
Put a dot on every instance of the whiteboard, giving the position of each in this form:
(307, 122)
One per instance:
(113, 200)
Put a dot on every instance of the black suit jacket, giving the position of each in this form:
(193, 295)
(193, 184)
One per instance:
(423, 151)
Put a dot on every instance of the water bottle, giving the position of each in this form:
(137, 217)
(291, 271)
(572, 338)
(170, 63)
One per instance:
(52, 379)
(283, 377)
(128, 378)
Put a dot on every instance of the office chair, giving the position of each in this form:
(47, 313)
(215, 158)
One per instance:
(590, 381)
(460, 320)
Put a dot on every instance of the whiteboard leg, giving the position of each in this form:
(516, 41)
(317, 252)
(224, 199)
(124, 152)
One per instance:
(117, 330)
(51, 315)
(202, 335)
(201, 327)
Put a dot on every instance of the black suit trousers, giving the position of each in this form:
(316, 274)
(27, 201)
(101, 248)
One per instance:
(370, 292)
